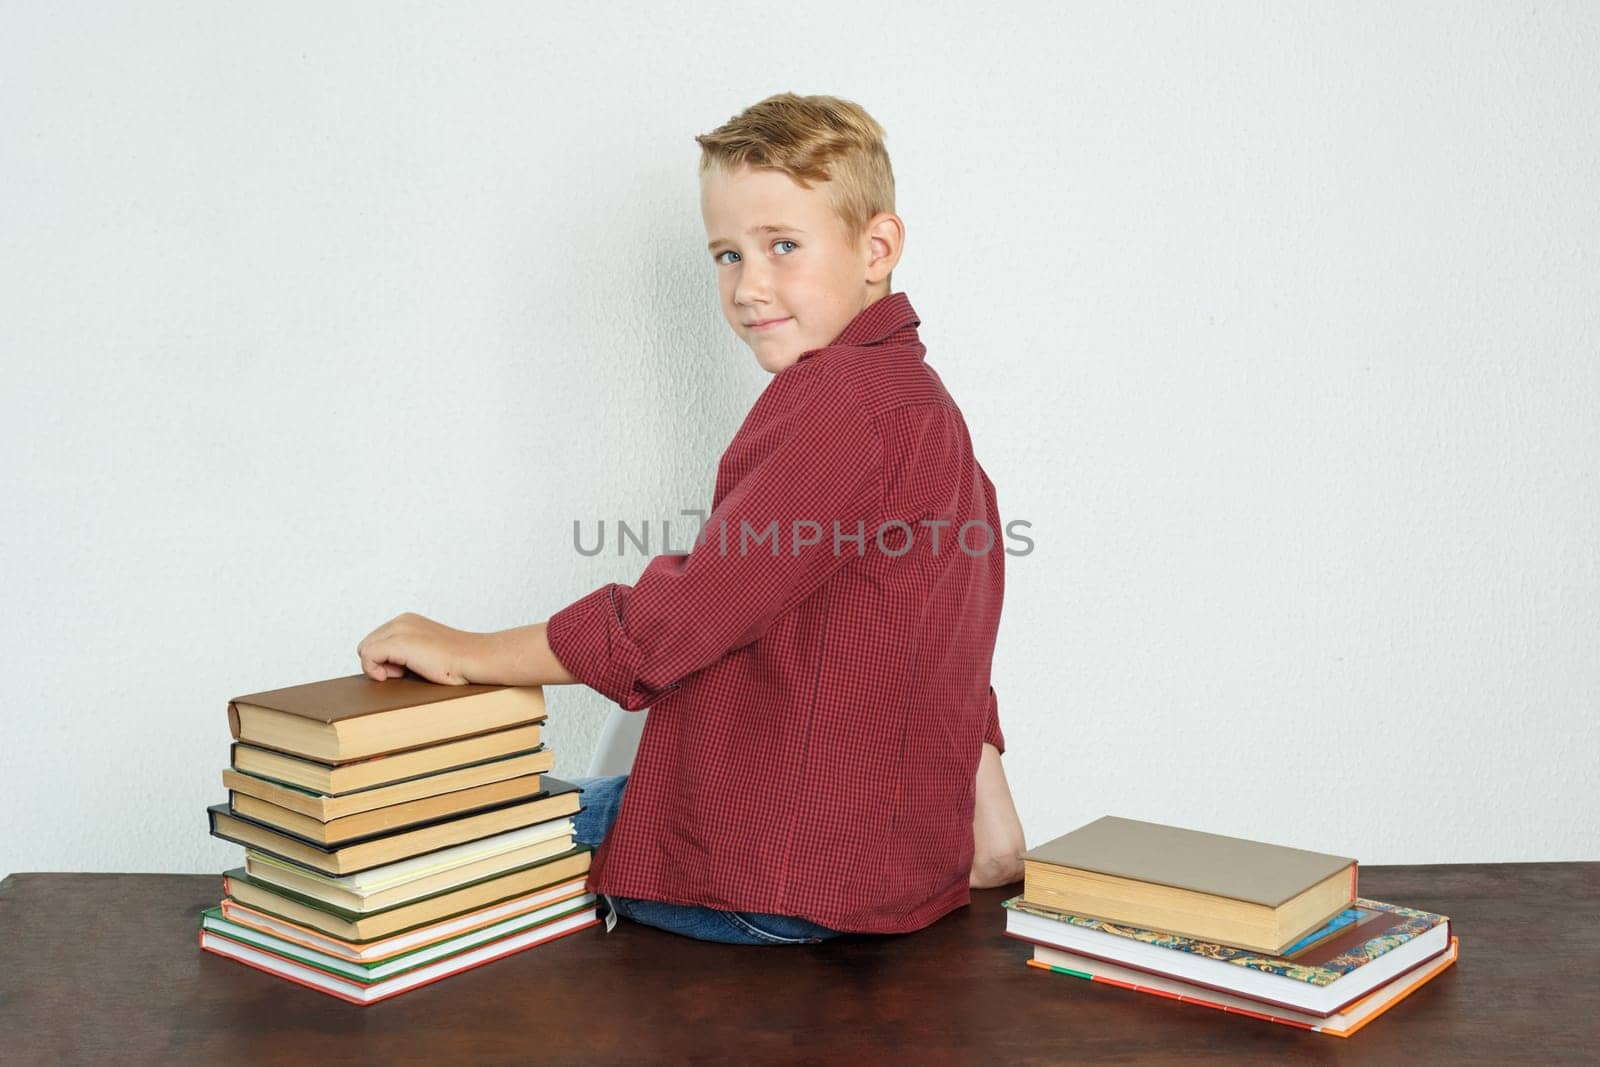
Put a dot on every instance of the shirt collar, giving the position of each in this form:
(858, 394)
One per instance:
(874, 324)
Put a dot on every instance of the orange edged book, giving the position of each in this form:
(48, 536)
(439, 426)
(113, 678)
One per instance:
(1339, 1024)
(1328, 971)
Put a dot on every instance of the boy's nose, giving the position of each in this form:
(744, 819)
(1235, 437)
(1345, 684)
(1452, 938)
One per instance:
(752, 290)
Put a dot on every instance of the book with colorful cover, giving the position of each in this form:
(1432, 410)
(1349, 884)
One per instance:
(1323, 973)
(1339, 1024)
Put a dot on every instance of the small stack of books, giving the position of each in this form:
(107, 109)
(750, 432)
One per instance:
(1246, 927)
(395, 833)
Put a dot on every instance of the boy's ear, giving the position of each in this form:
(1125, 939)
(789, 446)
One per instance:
(886, 235)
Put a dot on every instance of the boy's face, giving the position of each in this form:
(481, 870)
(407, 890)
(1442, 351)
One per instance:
(781, 253)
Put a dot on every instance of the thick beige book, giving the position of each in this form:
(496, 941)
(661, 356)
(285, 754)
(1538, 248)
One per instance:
(355, 716)
(366, 853)
(386, 876)
(336, 779)
(1229, 890)
(324, 890)
(238, 886)
(326, 808)
(365, 824)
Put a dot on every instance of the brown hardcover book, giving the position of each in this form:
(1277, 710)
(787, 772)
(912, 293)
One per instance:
(1230, 890)
(236, 885)
(365, 853)
(326, 808)
(342, 719)
(385, 768)
(385, 820)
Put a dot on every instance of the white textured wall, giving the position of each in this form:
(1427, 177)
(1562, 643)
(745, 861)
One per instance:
(1279, 324)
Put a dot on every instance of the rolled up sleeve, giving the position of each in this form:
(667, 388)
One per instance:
(635, 643)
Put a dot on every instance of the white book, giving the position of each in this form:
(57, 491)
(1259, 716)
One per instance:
(395, 961)
(359, 992)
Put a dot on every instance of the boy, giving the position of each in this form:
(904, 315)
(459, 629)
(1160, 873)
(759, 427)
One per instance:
(822, 753)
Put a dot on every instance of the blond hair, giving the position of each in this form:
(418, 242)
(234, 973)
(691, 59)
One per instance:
(811, 139)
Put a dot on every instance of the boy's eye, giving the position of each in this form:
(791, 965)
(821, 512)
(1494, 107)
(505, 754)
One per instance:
(730, 252)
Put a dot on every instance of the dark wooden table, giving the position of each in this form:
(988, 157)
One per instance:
(105, 968)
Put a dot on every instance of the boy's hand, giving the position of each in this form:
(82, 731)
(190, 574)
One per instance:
(433, 650)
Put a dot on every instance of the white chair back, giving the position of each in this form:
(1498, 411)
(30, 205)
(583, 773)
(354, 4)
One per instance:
(619, 740)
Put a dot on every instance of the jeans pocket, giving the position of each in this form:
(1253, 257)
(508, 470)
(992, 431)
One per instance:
(741, 922)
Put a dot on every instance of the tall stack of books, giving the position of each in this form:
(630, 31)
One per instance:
(395, 833)
(1261, 930)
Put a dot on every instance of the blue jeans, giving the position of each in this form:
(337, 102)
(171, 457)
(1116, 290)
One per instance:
(602, 799)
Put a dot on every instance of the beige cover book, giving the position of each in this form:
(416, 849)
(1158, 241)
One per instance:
(327, 808)
(367, 824)
(377, 851)
(385, 768)
(1208, 886)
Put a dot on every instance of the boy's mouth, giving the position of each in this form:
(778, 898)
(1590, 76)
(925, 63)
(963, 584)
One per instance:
(767, 324)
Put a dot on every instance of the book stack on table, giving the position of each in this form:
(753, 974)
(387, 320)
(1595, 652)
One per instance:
(1242, 926)
(395, 833)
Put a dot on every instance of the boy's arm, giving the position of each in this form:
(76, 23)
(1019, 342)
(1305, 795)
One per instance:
(520, 656)
(996, 830)
(634, 643)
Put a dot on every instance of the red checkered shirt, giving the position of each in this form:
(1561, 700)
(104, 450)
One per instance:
(817, 703)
